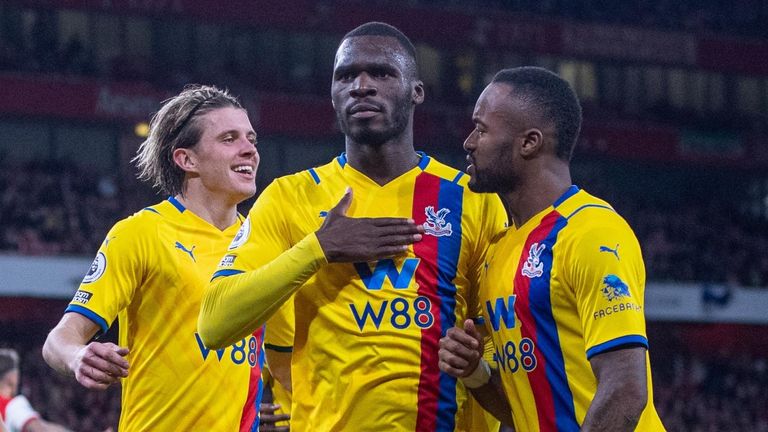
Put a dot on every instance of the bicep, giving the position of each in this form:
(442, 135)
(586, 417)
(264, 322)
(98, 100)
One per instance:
(622, 369)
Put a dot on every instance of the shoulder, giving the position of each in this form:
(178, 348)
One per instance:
(140, 226)
(305, 180)
(444, 172)
(594, 223)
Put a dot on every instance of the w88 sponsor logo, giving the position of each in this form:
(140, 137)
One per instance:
(400, 312)
(246, 350)
(512, 356)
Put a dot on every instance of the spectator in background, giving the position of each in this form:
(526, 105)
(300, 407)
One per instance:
(15, 409)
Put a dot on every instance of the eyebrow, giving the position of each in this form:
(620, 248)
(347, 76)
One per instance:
(235, 132)
(370, 67)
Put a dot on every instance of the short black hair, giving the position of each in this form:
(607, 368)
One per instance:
(9, 360)
(375, 28)
(552, 97)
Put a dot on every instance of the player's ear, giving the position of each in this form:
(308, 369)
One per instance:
(417, 95)
(185, 159)
(533, 142)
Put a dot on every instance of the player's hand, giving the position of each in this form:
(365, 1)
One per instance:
(268, 418)
(460, 350)
(99, 365)
(346, 239)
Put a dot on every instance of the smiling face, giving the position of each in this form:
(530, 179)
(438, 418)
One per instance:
(374, 89)
(225, 159)
(492, 147)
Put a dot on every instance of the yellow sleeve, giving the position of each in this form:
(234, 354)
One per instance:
(234, 306)
(608, 279)
(260, 272)
(113, 277)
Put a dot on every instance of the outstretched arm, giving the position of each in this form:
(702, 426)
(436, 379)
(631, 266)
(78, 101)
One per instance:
(95, 365)
(461, 356)
(622, 390)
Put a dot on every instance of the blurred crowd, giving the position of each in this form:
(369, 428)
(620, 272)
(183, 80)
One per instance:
(51, 209)
(744, 17)
(48, 208)
(700, 243)
(692, 392)
(721, 393)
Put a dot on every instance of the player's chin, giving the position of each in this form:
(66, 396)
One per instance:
(477, 185)
(243, 189)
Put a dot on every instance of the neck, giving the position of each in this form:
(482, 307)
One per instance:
(382, 163)
(536, 192)
(220, 211)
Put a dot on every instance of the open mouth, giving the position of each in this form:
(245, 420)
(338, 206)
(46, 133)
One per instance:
(247, 170)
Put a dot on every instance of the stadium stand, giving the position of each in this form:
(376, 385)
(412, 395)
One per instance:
(675, 97)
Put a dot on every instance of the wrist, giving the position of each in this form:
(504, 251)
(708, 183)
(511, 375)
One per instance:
(479, 377)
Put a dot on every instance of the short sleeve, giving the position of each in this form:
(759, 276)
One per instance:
(607, 276)
(116, 272)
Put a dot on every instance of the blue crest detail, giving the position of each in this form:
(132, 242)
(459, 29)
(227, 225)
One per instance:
(614, 288)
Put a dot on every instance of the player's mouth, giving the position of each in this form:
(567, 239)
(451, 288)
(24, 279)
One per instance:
(470, 164)
(245, 170)
(364, 110)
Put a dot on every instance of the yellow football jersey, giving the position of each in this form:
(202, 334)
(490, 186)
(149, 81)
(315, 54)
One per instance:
(565, 286)
(150, 273)
(366, 334)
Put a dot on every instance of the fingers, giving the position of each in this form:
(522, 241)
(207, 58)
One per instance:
(268, 418)
(99, 365)
(93, 378)
(343, 204)
(471, 329)
(386, 252)
(404, 228)
(463, 337)
(459, 352)
(274, 418)
(394, 222)
(266, 408)
(107, 358)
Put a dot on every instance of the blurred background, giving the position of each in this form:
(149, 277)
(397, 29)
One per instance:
(675, 135)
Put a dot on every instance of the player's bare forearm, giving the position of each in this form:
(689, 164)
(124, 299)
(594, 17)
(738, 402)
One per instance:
(94, 365)
(492, 398)
(622, 391)
(63, 343)
(234, 306)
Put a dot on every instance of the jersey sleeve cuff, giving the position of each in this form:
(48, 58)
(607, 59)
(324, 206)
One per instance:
(91, 315)
(278, 348)
(312, 245)
(619, 342)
